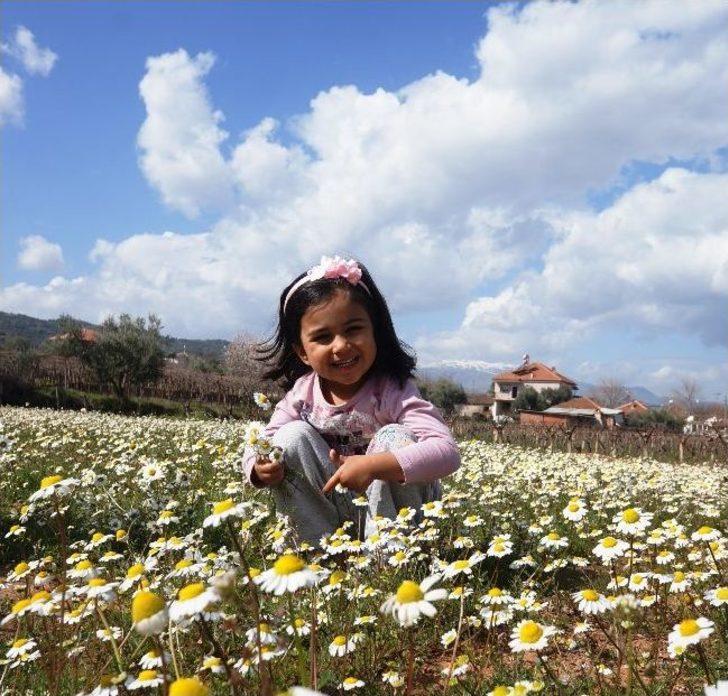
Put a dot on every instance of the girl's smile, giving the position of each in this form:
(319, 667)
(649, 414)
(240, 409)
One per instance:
(337, 342)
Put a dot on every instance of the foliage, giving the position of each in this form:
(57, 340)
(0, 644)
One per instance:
(444, 393)
(654, 417)
(125, 353)
(529, 399)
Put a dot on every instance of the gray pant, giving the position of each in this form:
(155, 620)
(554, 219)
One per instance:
(313, 514)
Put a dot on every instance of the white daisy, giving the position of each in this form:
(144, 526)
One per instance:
(412, 600)
(530, 635)
(191, 600)
(288, 574)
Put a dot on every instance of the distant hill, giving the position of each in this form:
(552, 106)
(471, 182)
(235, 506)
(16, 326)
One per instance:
(36, 331)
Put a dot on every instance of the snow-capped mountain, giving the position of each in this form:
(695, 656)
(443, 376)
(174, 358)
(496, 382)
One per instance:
(473, 375)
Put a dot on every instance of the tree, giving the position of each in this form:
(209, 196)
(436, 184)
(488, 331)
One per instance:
(444, 393)
(551, 397)
(610, 393)
(240, 361)
(123, 353)
(687, 394)
(529, 399)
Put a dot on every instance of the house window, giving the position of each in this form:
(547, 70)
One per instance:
(514, 391)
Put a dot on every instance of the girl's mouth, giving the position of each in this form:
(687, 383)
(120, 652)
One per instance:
(346, 364)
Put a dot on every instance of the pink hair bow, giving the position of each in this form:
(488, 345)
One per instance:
(336, 267)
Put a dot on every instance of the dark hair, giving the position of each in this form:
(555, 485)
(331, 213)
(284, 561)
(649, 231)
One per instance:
(394, 358)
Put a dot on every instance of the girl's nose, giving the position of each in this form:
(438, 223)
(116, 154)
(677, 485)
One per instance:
(339, 343)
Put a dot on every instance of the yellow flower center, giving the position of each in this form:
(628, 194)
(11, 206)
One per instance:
(403, 512)
(84, 565)
(553, 536)
(340, 640)
(495, 592)
(120, 534)
(42, 596)
(264, 627)
(144, 605)
(20, 643)
(147, 675)
(705, 530)
(222, 506)
(288, 564)
(49, 481)
(500, 690)
(499, 547)
(351, 680)
(574, 507)
(191, 591)
(299, 623)
(135, 571)
(409, 592)
(609, 542)
(254, 572)
(461, 565)
(679, 576)
(190, 686)
(98, 536)
(336, 577)
(96, 582)
(637, 579)
(530, 632)
(589, 595)
(165, 514)
(20, 605)
(400, 555)
(21, 567)
(184, 563)
(630, 515)
(722, 594)
(689, 627)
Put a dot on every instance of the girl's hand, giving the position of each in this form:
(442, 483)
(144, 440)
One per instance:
(268, 473)
(355, 472)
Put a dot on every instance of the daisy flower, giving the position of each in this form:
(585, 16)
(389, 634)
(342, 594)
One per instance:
(53, 485)
(288, 574)
(463, 566)
(351, 683)
(717, 597)
(680, 582)
(222, 510)
(575, 510)
(148, 613)
(590, 602)
(633, 521)
(22, 650)
(146, 679)
(610, 548)
(191, 600)
(530, 635)
(412, 600)
(100, 588)
(342, 645)
(189, 686)
(262, 401)
(688, 632)
(705, 533)
(553, 540)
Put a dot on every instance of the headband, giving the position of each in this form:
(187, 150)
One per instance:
(330, 267)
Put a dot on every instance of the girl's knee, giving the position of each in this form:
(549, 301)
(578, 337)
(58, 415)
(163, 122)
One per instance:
(293, 433)
(391, 437)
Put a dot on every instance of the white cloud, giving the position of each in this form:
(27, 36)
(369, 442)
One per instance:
(180, 138)
(656, 261)
(38, 254)
(11, 98)
(459, 195)
(36, 60)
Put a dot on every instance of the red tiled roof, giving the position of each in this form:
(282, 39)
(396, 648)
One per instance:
(534, 372)
(579, 402)
(634, 405)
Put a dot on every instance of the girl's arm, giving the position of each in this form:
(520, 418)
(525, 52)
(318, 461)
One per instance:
(287, 409)
(435, 454)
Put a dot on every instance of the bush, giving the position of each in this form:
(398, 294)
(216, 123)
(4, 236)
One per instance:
(652, 418)
(444, 393)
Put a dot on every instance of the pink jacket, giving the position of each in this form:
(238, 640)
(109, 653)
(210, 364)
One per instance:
(379, 402)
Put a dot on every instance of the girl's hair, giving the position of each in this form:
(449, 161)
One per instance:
(394, 358)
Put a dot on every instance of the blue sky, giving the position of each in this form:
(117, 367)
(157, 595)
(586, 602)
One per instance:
(510, 175)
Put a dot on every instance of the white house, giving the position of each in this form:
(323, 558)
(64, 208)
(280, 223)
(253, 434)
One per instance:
(536, 375)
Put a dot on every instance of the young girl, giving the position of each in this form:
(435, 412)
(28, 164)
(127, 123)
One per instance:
(353, 416)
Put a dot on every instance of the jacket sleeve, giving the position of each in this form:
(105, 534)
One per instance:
(435, 454)
(286, 410)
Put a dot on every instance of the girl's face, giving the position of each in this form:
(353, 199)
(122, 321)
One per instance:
(337, 342)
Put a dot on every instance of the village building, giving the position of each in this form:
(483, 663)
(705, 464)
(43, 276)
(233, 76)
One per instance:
(634, 406)
(536, 375)
(581, 410)
(478, 404)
